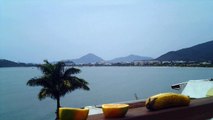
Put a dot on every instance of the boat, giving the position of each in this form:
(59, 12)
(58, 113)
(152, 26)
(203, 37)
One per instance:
(195, 88)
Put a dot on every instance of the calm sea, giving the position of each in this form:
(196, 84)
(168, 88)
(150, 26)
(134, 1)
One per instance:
(107, 84)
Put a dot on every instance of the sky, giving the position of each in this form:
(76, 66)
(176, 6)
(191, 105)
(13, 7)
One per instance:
(34, 30)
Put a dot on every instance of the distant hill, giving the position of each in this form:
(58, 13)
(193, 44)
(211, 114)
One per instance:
(129, 58)
(92, 58)
(200, 52)
(8, 63)
(89, 58)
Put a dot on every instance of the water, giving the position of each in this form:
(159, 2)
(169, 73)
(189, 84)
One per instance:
(107, 84)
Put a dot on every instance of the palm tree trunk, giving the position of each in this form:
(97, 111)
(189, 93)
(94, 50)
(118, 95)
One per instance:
(57, 110)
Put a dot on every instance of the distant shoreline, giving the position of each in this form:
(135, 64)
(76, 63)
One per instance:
(114, 66)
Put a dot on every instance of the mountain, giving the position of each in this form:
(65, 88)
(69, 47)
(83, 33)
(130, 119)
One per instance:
(129, 58)
(200, 52)
(8, 63)
(89, 58)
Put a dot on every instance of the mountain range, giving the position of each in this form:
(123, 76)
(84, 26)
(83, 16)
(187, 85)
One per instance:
(92, 58)
(129, 58)
(200, 52)
(8, 63)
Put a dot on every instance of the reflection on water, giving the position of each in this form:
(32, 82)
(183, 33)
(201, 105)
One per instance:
(108, 84)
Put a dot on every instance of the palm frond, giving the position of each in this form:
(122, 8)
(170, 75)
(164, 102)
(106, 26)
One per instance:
(42, 81)
(82, 83)
(77, 83)
(46, 62)
(46, 68)
(71, 71)
(45, 92)
(71, 84)
(59, 69)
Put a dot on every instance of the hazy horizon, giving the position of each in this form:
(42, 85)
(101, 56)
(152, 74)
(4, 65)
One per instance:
(34, 30)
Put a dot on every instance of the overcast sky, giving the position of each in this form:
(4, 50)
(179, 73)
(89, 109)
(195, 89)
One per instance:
(34, 30)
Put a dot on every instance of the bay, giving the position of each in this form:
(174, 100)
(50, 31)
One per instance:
(107, 84)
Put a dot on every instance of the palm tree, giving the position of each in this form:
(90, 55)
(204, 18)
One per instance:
(57, 81)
